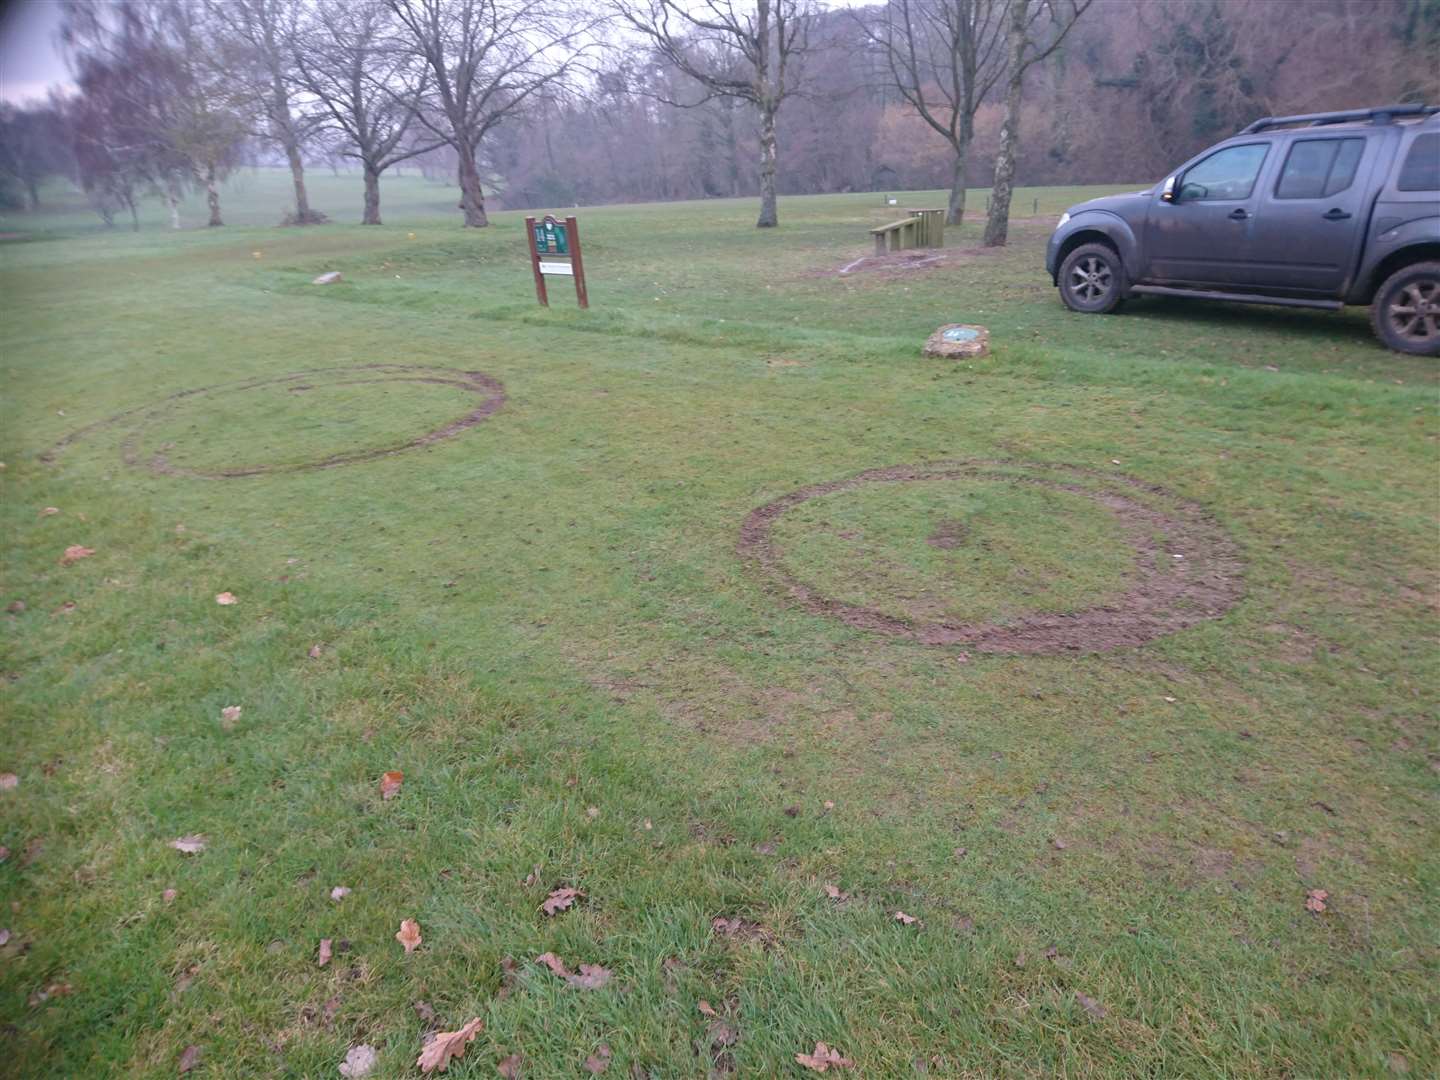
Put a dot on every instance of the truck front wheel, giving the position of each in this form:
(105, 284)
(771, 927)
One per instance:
(1090, 279)
(1406, 310)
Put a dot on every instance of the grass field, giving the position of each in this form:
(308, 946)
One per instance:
(544, 622)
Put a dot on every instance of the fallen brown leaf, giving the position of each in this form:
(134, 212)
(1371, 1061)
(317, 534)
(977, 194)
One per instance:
(74, 553)
(359, 1062)
(339, 892)
(190, 845)
(706, 1009)
(1315, 900)
(8, 780)
(532, 878)
(561, 899)
(599, 1061)
(423, 1011)
(314, 652)
(588, 977)
(49, 510)
(823, 1058)
(390, 784)
(901, 917)
(1060, 845)
(834, 893)
(225, 599)
(229, 716)
(4, 937)
(509, 1068)
(409, 935)
(447, 1045)
(721, 1034)
(1091, 1006)
(169, 896)
(325, 952)
(592, 812)
(16, 607)
(189, 1058)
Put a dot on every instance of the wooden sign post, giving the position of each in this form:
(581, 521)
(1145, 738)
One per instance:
(555, 250)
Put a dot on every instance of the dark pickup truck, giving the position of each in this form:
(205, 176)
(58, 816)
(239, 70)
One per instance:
(1314, 211)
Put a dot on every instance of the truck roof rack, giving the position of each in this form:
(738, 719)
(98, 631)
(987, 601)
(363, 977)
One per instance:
(1380, 114)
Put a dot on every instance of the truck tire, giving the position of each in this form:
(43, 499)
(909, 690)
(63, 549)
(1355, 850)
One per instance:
(1091, 279)
(1406, 310)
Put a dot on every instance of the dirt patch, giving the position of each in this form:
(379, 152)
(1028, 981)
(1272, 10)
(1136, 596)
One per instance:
(948, 535)
(904, 263)
(1186, 568)
(134, 421)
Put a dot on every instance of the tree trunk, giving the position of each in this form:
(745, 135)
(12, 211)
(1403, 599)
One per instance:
(303, 216)
(372, 195)
(172, 200)
(997, 226)
(769, 216)
(472, 196)
(955, 213)
(212, 195)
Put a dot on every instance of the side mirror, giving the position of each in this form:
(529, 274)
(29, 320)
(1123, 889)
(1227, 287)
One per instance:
(1167, 194)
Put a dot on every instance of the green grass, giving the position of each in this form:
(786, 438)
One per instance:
(544, 623)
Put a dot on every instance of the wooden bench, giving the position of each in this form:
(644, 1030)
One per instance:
(923, 228)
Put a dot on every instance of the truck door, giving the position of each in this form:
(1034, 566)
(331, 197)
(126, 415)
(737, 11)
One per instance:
(1202, 236)
(1309, 223)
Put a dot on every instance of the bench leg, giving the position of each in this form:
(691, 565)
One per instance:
(879, 243)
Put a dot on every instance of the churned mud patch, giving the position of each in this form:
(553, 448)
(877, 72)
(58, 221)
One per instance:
(135, 421)
(948, 535)
(1185, 569)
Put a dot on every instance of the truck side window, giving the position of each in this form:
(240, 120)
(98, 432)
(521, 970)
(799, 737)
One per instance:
(1421, 171)
(1316, 168)
(1225, 174)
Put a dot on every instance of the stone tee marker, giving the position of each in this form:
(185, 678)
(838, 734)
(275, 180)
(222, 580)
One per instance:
(958, 341)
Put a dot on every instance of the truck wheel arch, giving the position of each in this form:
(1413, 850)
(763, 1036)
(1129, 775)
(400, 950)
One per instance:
(1412, 253)
(1122, 244)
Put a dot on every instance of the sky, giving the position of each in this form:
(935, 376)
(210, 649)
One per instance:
(30, 61)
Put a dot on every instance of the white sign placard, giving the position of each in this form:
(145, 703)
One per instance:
(557, 268)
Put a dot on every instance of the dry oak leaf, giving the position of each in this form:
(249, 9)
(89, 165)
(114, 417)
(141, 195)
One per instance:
(509, 1068)
(834, 893)
(229, 716)
(706, 1009)
(8, 780)
(1091, 1006)
(225, 599)
(447, 1045)
(190, 845)
(74, 553)
(339, 892)
(314, 652)
(560, 899)
(901, 917)
(169, 896)
(359, 1062)
(599, 1061)
(390, 784)
(1315, 900)
(325, 952)
(49, 510)
(409, 935)
(588, 977)
(189, 1058)
(823, 1058)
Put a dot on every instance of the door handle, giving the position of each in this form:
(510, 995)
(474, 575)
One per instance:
(1238, 214)
(1335, 214)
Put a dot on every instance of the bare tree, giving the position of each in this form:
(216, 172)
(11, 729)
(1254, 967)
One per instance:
(150, 109)
(364, 87)
(255, 49)
(767, 39)
(943, 57)
(486, 59)
(1035, 29)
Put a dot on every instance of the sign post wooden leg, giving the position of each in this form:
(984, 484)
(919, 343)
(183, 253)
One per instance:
(540, 293)
(573, 229)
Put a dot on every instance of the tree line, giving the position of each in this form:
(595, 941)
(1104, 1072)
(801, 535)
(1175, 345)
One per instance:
(555, 102)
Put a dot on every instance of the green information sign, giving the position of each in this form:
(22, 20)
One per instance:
(550, 238)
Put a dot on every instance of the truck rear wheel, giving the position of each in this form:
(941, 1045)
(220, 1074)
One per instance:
(1090, 279)
(1406, 310)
